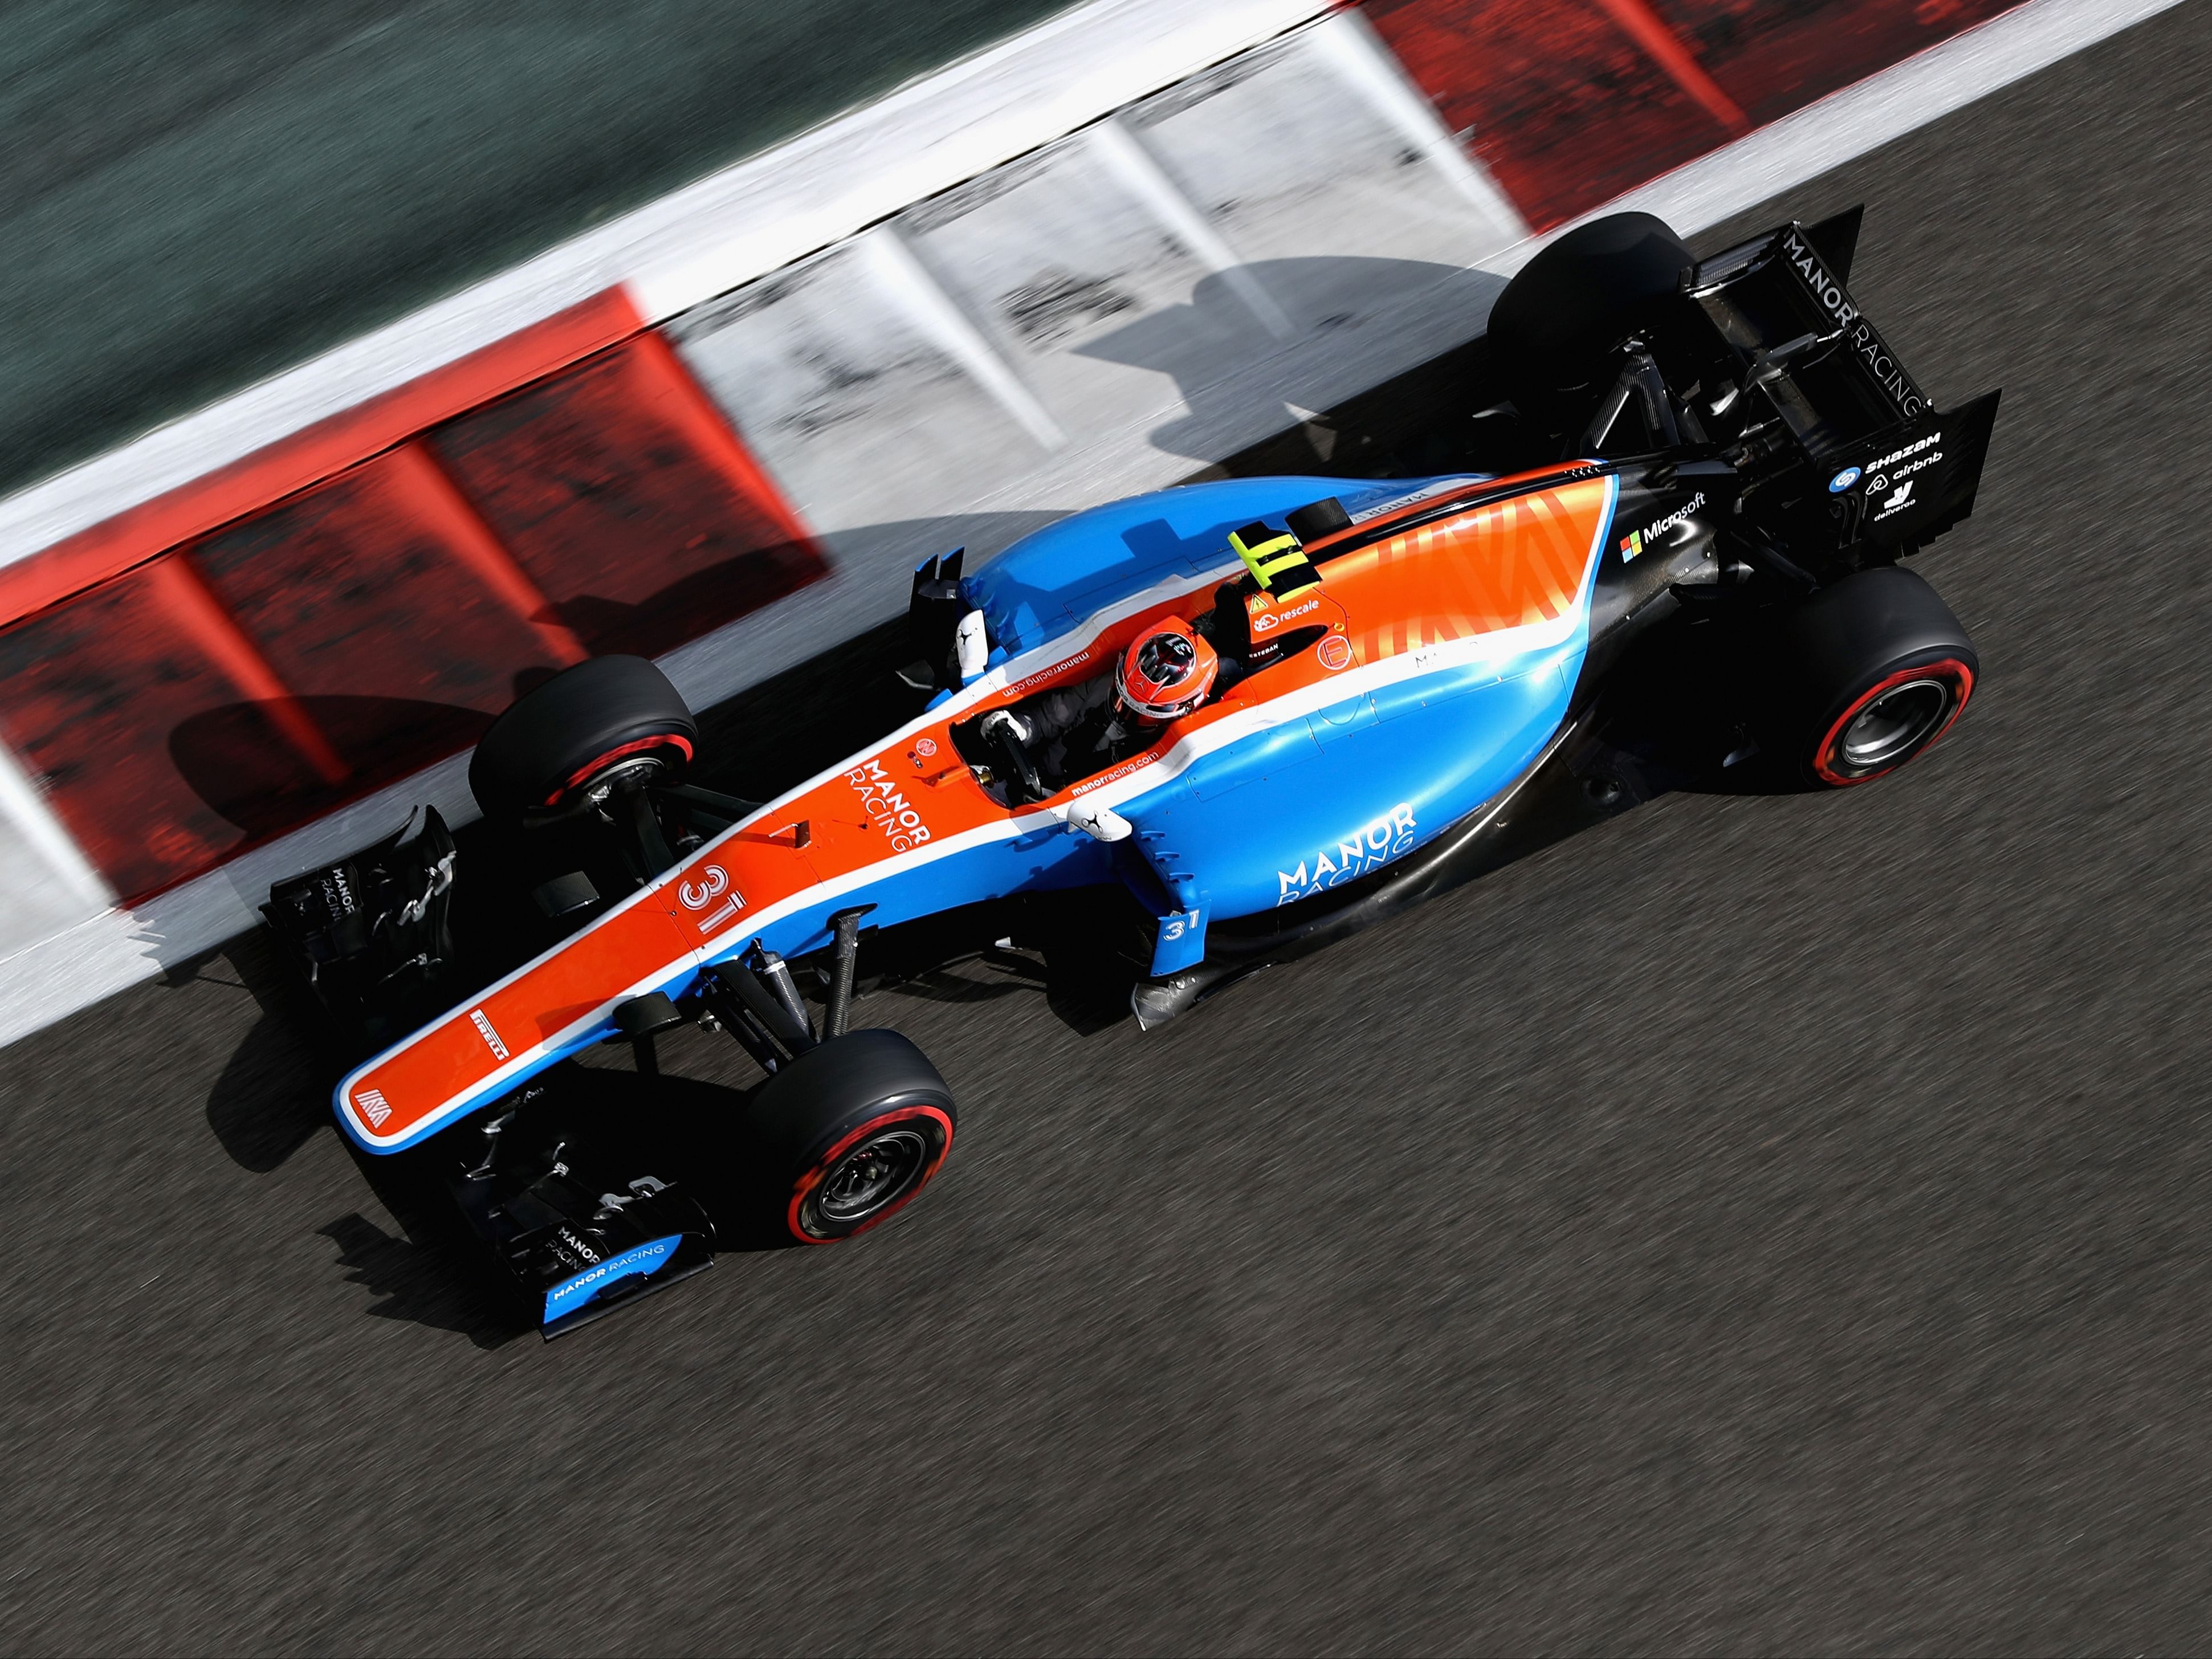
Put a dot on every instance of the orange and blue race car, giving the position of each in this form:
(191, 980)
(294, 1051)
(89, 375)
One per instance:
(1236, 718)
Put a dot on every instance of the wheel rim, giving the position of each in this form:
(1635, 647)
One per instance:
(873, 1177)
(1893, 724)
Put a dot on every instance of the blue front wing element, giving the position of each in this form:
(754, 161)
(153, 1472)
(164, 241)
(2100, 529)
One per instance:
(570, 1294)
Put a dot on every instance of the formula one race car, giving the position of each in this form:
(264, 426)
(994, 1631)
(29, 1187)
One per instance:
(1407, 682)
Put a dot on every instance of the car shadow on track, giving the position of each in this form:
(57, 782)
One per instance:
(415, 1284)
(1226, 364)
(273, 1094)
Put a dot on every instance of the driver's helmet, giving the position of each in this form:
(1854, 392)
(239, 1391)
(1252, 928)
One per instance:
(1167, 671)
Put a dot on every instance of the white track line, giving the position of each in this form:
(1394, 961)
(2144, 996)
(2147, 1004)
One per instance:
(1865, 116)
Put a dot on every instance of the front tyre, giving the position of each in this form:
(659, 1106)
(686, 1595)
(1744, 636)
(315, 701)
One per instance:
(1868, 672)
(849, 1134)
(556, 743)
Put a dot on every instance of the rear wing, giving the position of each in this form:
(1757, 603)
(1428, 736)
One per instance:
(1836, 438)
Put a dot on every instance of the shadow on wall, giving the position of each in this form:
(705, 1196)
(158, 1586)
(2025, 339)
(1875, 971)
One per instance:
(225, 756)
(247, 761)
(237, 763)
(378, 596)
(738, 587)
(1235, 396)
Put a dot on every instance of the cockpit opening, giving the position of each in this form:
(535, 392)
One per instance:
(1036, 747)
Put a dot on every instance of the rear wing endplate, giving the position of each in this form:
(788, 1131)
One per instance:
(1883, 462)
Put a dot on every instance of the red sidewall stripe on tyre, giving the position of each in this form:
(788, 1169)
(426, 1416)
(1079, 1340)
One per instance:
(828, 1161)
(666, 740)
(1966, 689)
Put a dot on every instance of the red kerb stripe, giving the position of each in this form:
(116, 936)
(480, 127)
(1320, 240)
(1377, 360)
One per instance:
(307, 458)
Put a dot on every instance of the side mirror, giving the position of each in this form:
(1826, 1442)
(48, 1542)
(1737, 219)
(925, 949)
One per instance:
(1099, 823)
(968, 645)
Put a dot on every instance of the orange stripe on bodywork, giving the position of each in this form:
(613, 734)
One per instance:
(854, 820)
(475, 1041)
(1509, 564)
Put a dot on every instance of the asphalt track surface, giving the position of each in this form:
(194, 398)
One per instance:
(198, 194)
(1756, 1224)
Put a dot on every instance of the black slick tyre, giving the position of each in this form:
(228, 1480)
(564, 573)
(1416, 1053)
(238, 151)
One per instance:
(1552, 329)
(849, 1134)
(1867, 673)
(551, 745)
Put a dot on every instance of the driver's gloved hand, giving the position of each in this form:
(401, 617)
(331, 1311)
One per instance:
(1011, 733)
(1005, 720)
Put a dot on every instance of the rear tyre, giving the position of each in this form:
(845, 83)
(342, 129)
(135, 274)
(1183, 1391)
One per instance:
(1553, 329)
(849, 1133)
(551, 748)
(1868, 672)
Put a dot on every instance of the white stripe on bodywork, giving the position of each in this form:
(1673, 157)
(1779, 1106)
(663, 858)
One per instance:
(1502, 643)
